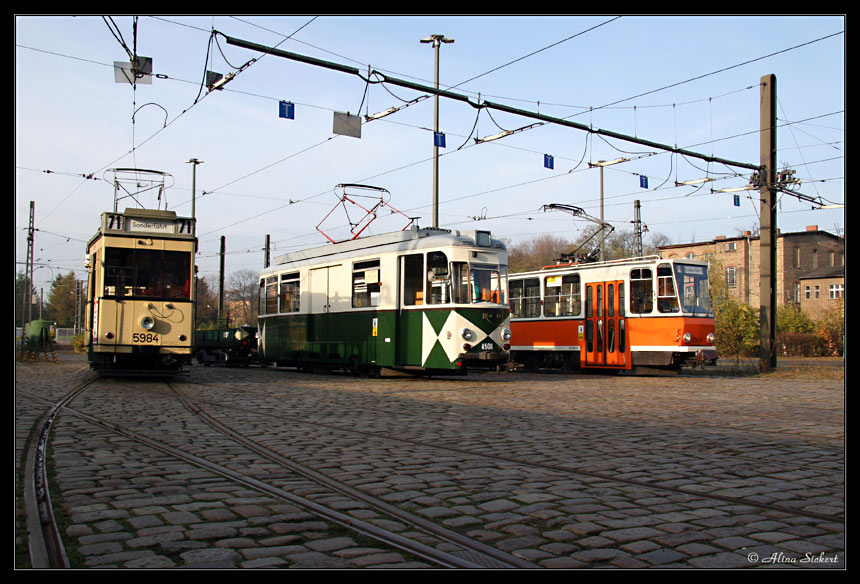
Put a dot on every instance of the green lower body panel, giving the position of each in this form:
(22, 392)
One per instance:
(426, 338)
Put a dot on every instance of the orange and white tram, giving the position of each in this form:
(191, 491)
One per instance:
(615, 315)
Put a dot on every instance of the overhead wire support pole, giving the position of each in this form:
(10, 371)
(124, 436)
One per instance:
(486, 104)
(768, 240)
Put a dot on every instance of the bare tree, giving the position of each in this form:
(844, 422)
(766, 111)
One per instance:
(242, 290)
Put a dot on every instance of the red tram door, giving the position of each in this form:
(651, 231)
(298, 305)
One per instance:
(605, 342)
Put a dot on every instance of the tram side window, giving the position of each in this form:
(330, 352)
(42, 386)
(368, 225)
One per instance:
(288, 299)
(667, 299)
(525, 298)
(641, 291)
(413, 279)
(147, 273)
(561, 296)
(271, 295)
(366, 284)
(438, 278)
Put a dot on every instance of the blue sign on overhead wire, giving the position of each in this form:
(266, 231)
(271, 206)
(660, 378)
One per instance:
(287, 109)
(643, 181)
(737, 200)
(439, 139)
(548, 161)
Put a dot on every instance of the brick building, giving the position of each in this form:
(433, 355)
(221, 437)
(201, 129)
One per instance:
(810, 266)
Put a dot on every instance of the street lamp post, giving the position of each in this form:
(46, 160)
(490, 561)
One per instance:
(193, 292)
(194, 162)
(436, 40)
(601, 164)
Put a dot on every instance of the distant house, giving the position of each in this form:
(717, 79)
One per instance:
(820, 288)
(810, 266)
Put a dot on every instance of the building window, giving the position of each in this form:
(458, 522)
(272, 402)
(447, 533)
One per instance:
(836, 291)
(730, 246)
(807, 292)
(731, 281)
(817, 292)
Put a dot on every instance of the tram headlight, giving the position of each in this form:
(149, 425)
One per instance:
(507, 334)
(467, 334)
(711, 338)
(147, 322)
(687, 338)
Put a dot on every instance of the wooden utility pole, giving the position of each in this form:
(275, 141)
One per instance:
(767, 284)
(221, 280)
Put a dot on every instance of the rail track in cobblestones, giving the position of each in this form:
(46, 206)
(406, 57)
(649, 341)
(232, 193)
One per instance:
(45, 541)
(458, 552)
(267, 468)
(607, 475)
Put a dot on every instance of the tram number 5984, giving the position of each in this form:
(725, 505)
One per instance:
(144, 338)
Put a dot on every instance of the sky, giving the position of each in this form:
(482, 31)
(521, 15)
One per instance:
(687, 82)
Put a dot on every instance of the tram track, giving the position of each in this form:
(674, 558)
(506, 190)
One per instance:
(44, 539)
(566, 469)
(219, 415)
(472, 552)
(714, 447)
(463, 552)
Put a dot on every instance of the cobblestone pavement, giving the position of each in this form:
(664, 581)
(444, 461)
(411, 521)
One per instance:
(579, 471)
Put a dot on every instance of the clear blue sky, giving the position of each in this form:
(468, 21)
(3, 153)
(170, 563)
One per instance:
(690, 82)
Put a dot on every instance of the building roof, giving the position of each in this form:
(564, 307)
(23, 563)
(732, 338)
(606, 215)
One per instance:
(810, 230)
(827, 272)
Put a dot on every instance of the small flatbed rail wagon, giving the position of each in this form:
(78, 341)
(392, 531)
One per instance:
(231, 346)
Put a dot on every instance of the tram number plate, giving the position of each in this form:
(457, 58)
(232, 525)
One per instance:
(487, 346)
(144, 338)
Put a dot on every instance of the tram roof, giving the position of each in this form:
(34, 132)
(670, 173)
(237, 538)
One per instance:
(414, 238)
(624, 262)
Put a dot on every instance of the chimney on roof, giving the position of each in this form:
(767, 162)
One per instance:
(720, 237)
(812, 227)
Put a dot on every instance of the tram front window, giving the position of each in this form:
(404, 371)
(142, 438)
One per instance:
(667, 299)
(147, 273)
(475, 283)
(694, 288)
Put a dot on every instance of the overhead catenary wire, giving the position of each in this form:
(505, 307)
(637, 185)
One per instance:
(248, 175)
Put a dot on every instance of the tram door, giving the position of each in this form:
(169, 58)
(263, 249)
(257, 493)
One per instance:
(605, 335)
(320, 304)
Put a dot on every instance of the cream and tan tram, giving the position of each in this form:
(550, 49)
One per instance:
(427, 301)
(140, 309)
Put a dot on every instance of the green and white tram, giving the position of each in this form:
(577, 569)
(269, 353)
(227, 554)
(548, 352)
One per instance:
(418, 300)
